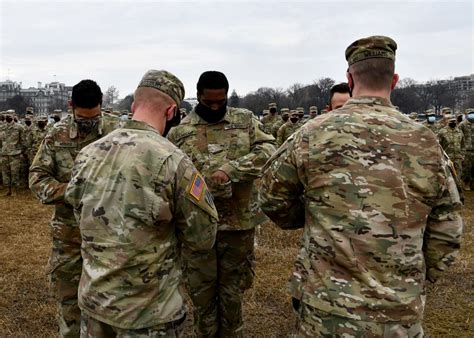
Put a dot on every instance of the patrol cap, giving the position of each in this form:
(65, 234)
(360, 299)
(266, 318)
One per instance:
(183, 110)
(299, 109)
(469, 111)
(376, 46)
(293, 112)
(165, 82)
(446, 110)
(313, 109)
(285, 113)
(429, 112)
(283, 110)
(272, 105)
(265, 112)
(42, 118)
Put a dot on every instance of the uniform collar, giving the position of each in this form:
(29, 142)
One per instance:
(370, 100)
(139, 125)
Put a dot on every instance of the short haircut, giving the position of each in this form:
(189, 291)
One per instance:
(374, 74)
(86, 94)
(342, 88)
(212, 80)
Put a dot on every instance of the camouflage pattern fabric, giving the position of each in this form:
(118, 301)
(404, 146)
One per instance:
(467, 128)
(12, 138)
(238, 146)
(38, 136)
(286, 130)
(11, 168)
(137, 199)
(277, 126)
(268, 123)
(218, 304)
(378, 203)
(452, 141)
(49, 174)
(316, 323)
(92, 328)
(434, 127)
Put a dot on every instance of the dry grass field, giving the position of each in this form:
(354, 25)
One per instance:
(26, 310)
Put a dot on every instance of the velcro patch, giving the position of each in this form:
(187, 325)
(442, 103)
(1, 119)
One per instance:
(197, 187)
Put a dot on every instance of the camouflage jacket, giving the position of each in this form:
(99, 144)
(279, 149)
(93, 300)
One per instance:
(285, 131)
(269, 122)
(434, 127)
(137, 198)
(452, 141)
(467, 128)
(37, 136)
(235, 145)
(13, 140)
(377, 201)
(277, 126)
(51, 171)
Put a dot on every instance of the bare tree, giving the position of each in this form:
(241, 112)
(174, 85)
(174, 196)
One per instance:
(111, 95)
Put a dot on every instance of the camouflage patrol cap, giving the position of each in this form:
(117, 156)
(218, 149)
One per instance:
(293, 112)
(265, 112)
(283, 110)
(469, 111)
(371, 47)
(429, 112)
(300, 109)
(446, 110)
(313, 109)
(272, 105)
(165, 82)
(183, 110)
(42, 118)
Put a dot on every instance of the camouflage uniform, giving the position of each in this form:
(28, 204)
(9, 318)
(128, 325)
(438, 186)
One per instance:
(285, 112)
(467, 127)
(13, 147)
(452, 141)
(268, 121)
(37, 137)
(286, 130)
(49, 174)
(25, 161)
(237, 146)
(137, 198)
(378, 214)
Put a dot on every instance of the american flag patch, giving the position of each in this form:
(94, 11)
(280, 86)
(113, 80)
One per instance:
(197, 187)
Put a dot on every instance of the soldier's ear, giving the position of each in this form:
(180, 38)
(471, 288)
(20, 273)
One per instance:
(394, 81)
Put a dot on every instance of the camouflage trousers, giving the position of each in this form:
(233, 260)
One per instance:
(217, 280)
(315, 323)
(64, 269)
(11, 167)
(468, 168)
(92, 328)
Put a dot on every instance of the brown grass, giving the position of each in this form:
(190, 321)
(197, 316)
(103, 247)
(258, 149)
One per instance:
(26, 308)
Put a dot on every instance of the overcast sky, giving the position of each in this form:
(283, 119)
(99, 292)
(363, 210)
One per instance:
(255, 43)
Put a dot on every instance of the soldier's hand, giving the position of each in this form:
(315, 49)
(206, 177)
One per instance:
(220, 177)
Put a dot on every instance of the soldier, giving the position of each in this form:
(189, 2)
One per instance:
(38, 135)
(228, 146)
(302, 120)
(451, 139)
(270, 119)
(183, 112)
(12, 137)
(49, 174)
(377, 201)
(138, 199)
(338, 95)
(285, 115)
(288, 128)
(431, 121)
(28, 128)
(313, 112)
(467, 127)
(413, 115)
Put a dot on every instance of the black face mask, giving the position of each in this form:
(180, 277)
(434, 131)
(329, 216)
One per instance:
(85, 126)
(209, 115)
(285, 118)
(459, 118)
(56, 119)
(28, 123)
(273, 110)
(9, 119)
(172, 123)
(452, 124)
(294, 119)
(41, 125)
